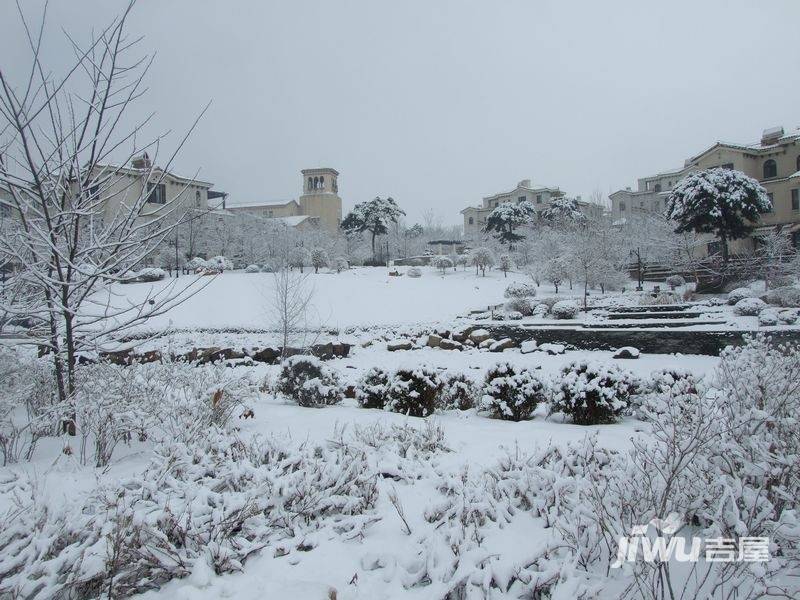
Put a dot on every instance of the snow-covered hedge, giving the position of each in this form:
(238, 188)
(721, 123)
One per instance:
(522, 305)
(151, 274)
(414, 392)
(442, 263)
(252, 269)
(512, 394)
(749, 307)
(767, 317)
(565, 309)
(786, 297)
(458, 392)
(414, 272)
(520, 290)
(197, 263)
(371, 389)
(740, 294)
(309, 382)
(219, 263)
(593, 392)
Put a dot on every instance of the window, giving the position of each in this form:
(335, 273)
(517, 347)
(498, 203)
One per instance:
(796, 199)
(157, 193)
(798, 162)
(310, 183)
(322, 182)
(621, 206)
(521, 199)
(658, 187)
(197, 199)
(538, 198)
(770, 169)
(727, 166)
(471, 221)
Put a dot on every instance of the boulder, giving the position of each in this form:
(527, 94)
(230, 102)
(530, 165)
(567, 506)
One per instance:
(553, 349)
(395, 345)
(528, 346)
(479, 335)
(460, 335)
(434, 341)
(501, 345)
(266, 355)
(446, 344)
(486, 344)
(627, 352)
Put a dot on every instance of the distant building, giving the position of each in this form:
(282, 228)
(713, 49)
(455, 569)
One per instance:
(319, 203)
(774, 161)
(540, 196)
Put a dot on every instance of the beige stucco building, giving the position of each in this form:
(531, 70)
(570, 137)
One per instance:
(540, 196)
(774, 161)
(319, 204)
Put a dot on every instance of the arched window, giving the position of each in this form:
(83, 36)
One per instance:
(310, 183)
(471, 221)
(770, 169)
(658, 187)
(316, 183)
(322, 182)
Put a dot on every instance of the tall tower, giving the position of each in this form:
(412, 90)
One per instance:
(321, 196)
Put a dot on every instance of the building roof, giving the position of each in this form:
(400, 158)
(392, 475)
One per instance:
(527, 188)
(754, 147)
(319, 170)
(155, 170)
(260, 204)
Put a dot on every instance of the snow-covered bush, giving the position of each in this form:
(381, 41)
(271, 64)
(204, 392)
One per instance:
(662, 298)
(768, 317)
(252, 269)
(565, 309)
(204, 506)
(414, 272)
(220, 263)
(789, 317)
(593, 393)
(372, 388)
(739, 294)
(442, 263)
(505, 264)
(267, 269)
(512, 394)
(341, 263)
(524, 306)
(549, 302)
(299, 257)
(458, 392)
(780, 281)
(675, 281)
(414, 392)
(663, 380)
(749, 307)
(519, 289)
(786, 297)
(151, 274)
(540, 310)
(197, 263)
(309, 382)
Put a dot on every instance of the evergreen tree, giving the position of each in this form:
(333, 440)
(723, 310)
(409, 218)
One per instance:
(373, 216)
(506, 218)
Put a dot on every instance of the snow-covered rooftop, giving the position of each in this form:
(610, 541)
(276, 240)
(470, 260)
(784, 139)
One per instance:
(260, 204)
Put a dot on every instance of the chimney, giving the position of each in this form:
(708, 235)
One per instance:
(141, 162)
(771, 135)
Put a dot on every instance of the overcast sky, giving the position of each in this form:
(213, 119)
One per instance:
(440, 103)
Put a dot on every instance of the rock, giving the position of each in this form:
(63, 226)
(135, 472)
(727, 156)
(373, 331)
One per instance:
(627, 352)
(147, 357)
(485, 344)
(266, 355)
(395, 345)
(446, 344)
(118, 357)
(460, 335)
(501, 345)
(528, 346)
(441, 332)
(479, 335)
(434, 341)
(552, 349)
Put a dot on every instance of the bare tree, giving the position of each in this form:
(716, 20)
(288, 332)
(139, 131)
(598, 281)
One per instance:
(81, 223)
(290, 303)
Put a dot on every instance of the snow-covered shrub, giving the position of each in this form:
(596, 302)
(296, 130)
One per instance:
(442, 263)
(220, 263)
(675, 281)
(521, 305)
(299, 257)
(505, 264)
(565, 309)
(309, 382)
(549, 302)
(200, 507)
(151, 274)
(414, 272)
(512, 394)
(372, 388)
(780, 281)
(593, 393)
(267, 269)
(252, 269)
(414, 392)
(197, 263)
(341, 264)
(789, 317)
(749, 307)
(662, 298)
(662, 380)
(520, 290)
(739, 294)
(768, 317)
(514, 315)
(459, 392)
(786, 297)
(540, 310)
